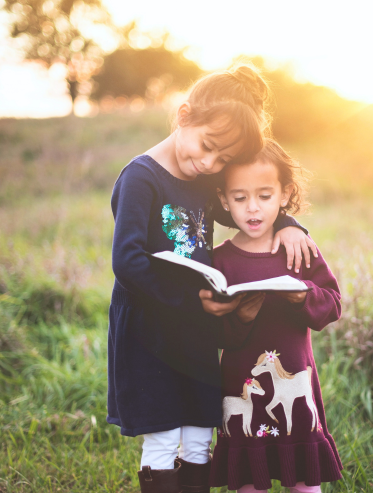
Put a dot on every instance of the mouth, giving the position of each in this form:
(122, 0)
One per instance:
(254, 223)
(195, 168)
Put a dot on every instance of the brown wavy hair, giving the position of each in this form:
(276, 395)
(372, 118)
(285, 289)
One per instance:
(290, 172)
(234, 98)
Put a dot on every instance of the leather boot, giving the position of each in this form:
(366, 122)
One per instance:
(194, 477)
(160, 480)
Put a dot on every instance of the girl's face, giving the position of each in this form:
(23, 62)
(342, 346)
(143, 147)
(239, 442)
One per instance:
(199, 151)
(253, 194)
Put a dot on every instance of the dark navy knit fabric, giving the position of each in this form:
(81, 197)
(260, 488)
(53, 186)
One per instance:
(163, 367)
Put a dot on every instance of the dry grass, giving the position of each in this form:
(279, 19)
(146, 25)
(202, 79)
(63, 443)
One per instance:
(55, 282)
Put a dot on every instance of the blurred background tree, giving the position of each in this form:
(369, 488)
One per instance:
(150, 73)
(50, 32)
(64, 32)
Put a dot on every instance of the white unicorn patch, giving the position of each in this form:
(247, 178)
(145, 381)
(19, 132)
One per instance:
(287, 387)
(241, 405)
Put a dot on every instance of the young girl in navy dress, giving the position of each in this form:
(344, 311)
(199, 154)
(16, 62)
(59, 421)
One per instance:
(163, 369)
(273, 416)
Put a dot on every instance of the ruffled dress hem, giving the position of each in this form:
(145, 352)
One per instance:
(314, 463)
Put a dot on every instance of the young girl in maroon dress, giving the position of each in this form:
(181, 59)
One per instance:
(273, 416)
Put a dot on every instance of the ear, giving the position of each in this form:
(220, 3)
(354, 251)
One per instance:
(223, 199)
(285, 195)
(183, 111)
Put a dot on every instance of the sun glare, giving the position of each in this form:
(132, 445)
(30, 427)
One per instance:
(27, 90)
(331, 49)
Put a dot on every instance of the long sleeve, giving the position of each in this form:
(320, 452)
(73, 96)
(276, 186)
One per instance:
(323, 304)
(135, 200)
(284, 221)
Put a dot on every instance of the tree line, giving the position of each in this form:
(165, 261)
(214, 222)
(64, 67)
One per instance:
(142, 64)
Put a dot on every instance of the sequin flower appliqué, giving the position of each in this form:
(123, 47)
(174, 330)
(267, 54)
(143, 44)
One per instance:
(185, 229)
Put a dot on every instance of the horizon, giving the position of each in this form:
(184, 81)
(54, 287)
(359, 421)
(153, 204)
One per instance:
(323, 53)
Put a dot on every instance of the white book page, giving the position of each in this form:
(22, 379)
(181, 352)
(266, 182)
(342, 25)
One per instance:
(282, 283)
(213, 276)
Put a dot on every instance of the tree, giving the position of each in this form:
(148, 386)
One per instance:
(148, 72)
(56, 31)
(51, 33)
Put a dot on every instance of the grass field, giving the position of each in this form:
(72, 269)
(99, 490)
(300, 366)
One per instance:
(55, 283)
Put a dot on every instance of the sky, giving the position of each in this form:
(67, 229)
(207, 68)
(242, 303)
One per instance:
(327, 42)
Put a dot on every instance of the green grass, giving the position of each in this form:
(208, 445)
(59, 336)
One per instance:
(55, 283)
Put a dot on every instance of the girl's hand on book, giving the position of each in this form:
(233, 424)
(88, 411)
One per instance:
(295, 242)
(293, 297)
(215, 308)
(249, 307)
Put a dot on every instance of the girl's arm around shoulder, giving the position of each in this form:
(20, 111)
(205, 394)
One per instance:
(295, 240)
(322, 304)
(136, 200)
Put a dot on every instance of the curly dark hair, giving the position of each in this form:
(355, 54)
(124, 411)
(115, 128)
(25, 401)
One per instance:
(290, 172)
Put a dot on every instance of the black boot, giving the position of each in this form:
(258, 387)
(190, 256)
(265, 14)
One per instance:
(194, 477)
(160, 480)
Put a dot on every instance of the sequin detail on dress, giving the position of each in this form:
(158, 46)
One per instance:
(185, 229)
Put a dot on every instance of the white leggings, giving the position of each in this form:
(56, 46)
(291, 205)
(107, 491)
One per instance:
(160, 449)
(298, 488)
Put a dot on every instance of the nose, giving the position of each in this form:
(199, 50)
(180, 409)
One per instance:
(252, 205)
(208, 161)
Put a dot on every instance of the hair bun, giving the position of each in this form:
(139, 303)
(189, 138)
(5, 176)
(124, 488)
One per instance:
(250, 78)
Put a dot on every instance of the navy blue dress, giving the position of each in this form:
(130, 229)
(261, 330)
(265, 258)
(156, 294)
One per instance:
(163, 368)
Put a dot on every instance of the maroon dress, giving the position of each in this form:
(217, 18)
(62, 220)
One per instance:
(273, 416)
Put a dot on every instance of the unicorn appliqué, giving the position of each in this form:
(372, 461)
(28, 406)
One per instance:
(287, 387)
(241, 405)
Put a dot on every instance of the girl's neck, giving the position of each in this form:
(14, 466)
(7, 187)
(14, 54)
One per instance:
(254, 245)
(165, 155)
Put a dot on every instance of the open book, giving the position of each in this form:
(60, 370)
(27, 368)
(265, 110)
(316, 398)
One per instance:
(219, 284)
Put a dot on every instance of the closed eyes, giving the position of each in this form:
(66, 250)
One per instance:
(208, 149)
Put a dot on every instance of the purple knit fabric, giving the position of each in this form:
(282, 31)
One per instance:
(287, 449)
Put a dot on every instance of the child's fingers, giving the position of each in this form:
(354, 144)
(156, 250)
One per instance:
(233, 304)
(311, 244)
(259, 302)
(205, 294)
(298, 257)
(293, 297)
(297, 297)
(248, 298)
(276, 244)
(289, 254)
(252, 304)
(256, 307)
(216, 308)
(247, 313)
(306, 252)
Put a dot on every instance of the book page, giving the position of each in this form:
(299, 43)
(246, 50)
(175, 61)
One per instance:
(213, 276)
(282, 283)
